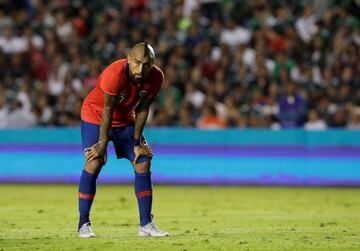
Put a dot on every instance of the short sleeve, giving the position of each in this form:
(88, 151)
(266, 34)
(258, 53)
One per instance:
(156, 83)
(110, 81)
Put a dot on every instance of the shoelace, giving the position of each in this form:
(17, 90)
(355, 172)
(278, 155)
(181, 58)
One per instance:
(153, 226)
(89, 230)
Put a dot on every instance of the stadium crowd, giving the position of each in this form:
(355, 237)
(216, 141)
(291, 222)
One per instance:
(241, 63)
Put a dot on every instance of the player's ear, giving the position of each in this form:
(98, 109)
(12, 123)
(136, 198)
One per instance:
(128, 57)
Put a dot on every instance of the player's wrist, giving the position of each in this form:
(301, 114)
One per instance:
(103, 143)
(137, 142)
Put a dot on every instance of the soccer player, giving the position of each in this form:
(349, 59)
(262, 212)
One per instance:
(116, 110)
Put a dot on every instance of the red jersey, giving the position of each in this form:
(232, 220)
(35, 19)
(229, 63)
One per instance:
(114, 80)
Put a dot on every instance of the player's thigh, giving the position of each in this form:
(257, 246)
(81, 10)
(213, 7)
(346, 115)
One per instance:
(89, 134)
(123, 138)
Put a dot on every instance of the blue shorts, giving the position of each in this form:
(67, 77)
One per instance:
(122, 138)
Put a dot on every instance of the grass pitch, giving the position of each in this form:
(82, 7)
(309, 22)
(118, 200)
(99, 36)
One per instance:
(44, 217)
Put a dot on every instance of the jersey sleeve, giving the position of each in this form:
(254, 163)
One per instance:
(156, 84)
(110, 82)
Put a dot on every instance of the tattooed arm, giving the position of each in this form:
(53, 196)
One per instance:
(142, 111)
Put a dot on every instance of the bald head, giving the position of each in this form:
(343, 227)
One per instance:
(143, 49)
(141, 58)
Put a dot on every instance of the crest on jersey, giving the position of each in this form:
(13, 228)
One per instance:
(143, 93)
(121, 98)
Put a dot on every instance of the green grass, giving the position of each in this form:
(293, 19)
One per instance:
(44, 217)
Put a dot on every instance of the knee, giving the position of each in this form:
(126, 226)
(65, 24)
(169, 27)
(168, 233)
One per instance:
(94, 167)
(143, 167)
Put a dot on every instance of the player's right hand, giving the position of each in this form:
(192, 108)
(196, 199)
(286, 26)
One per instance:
(96, 151)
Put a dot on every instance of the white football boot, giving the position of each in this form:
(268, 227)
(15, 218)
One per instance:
(85, 231)
(151, 230)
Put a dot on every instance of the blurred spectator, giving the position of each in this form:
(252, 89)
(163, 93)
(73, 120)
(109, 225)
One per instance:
(209, 119)
(305, 25)
(232, 114)
(314, 122)
(240, 63)
(338, 119)
(185, 116)
(234, 35)
(10, 43)
(45, 111)
(292, 107)
(354, 122)
(4, 109)
(20, 117)
(194, 96)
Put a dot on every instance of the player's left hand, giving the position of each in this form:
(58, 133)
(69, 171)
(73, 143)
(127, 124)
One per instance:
(142, 150)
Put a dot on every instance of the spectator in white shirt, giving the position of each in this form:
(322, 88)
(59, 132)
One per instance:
(20, 117)
(314, 122)
(11, 44)
(305, 25)
(234, 35)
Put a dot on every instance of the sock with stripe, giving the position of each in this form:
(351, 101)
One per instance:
(87, 190)
(143, 191)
